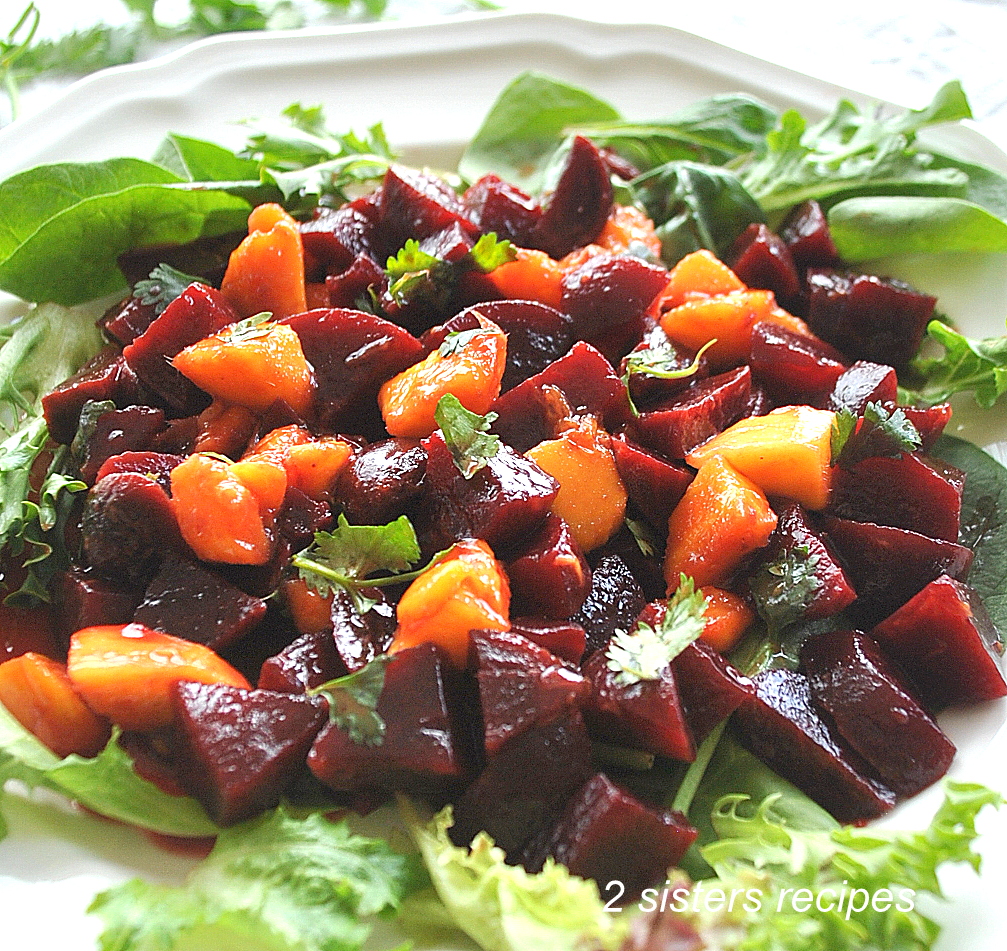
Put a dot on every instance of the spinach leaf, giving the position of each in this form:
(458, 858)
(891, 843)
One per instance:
(525, 125)
(695, 206)
(197, 160)
(983, 523)
(64, 225)
(874, 226)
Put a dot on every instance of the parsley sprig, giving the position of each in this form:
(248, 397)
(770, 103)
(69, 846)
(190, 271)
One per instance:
(879, 432)
(466, 434)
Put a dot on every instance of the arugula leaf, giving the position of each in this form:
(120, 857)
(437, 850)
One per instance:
(784, 587)
(353, 701)
(465, 433)
(879, 432)
(645, 652)
(162, 287)
(278, 881)
(979, 366)
(343, 559)
(504, 908)
(106, 784)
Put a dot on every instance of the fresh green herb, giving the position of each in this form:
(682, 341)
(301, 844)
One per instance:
(89, 415)
(343, 559)
(466, 434)
(644, 536)
(785, 586)
(645, 652)
(976, 366)
(353, 701)
(662, 362)
(501, 906)
(14, 47)
(278, 881)
(879, 432)
(250, 328)
(489, 252)
(162, 287)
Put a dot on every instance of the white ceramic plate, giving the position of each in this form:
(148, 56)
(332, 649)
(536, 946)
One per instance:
(431, 85)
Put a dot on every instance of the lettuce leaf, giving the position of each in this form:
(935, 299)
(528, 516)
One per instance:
(276, 883)
(504, 908)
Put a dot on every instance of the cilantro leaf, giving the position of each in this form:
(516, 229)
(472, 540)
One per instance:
(466, 433)
(785, 586)
(489, 252)
(353, 701)
(162, 287)
(979, 366)
(663, 362)
(879, 432)
(645, 652)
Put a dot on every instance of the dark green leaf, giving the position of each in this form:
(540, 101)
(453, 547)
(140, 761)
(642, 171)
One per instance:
(465, 433)
(879, 432)
(353, 701)
(89, 414)
(162, 287)
(198, 161)
(979, 366)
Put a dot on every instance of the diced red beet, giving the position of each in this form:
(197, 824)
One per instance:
(867, 317)
(710, 687)
(607, 834)
(613, 603)
(348, 287)
(648, 390)
(759, 402)
(761, 259)
(157, 465)
(381, 480)
(128, 527)
(862, 383)
(944, 639)
(805, 231)
(450, 244)
(521, 685)
(309, 661)
(645, 715)
(120, 430)
(84, 600)
(197, 313)
(125, 322)
(205, 257)
(359, 638)
(587, 383)
(416, 205)
(875, 711)
(565, 639)
(179, 436)
(793, 367)
(524, 788)
(576, 211)
(929, 422)
(335, 237)
(502, 503)
(353, 353)
(238, 749)
(418, 749)
(908, 491)
(782, 728)
(300, 517)
(607, 297)
(501, 208)
(889, 565)
(832, 591)
(106, 377)
(695, 415)
(225, 614)
(654, 485)
(550, 575)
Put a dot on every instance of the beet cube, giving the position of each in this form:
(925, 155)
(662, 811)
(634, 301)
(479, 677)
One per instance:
(117, 431)
(300, 517)
(874, 710)
(419, 748)
(381, 481)
(238, 749)
(83, 600)
(125, 322)
(761, 259)
(793, 367)
(654, 485)
(157, 465)
(565, 639)
(613, 603)
(359, 638)
(550, 576)
(335, 237)
(929, 421)
(710, 687)
(309, 661)
(416, 205)
(523, 789)
(908, 491)
(805, 231)
(521, 685)
(862, 383)
(607, 834)
(782, 728)
(944, 639)
(348, 288)
(648, 390)
(502, 208)
(225, 613)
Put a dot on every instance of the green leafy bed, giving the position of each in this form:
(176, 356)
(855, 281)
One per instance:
(295, 878)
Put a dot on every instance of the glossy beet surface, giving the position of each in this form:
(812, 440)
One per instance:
(550, 576)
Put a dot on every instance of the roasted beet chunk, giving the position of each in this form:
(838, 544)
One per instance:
(874, 710)
(156, 465)
(117, 431)
(350, 288)
(946, 642)
(502, 208)
(867, 317)
(565, 639)
(550, 576)
(654, 485)
(613, 603)
(805, 231)
(417, 205)
(359, 638)
(415, 747)
(607, 834)
(794, 368)
(238, 749)
(782, 728)
(335, 237)
(83, 600)
(225, 613)
(307, 662)
(761, 259)
(521, 685)
(381, 481)
(709, 686)
(864, 383)
(125, 322)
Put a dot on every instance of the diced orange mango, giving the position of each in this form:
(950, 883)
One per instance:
(532, 275)
(471, 372)
(592, 498)
(266, 271)
(721, 519)
(465, 590)
(696, 276)
(225, 428)
(728, 616)
(38, 693)
(312, 464)
(786, 452)
(253, 368)
(266, 480)
(125, 672)
(310, 610)
(219, 516)
(628, 228)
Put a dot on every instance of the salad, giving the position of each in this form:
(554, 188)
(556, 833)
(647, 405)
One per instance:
(498, 283)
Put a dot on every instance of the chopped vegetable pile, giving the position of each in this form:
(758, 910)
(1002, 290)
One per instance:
(588, 513)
